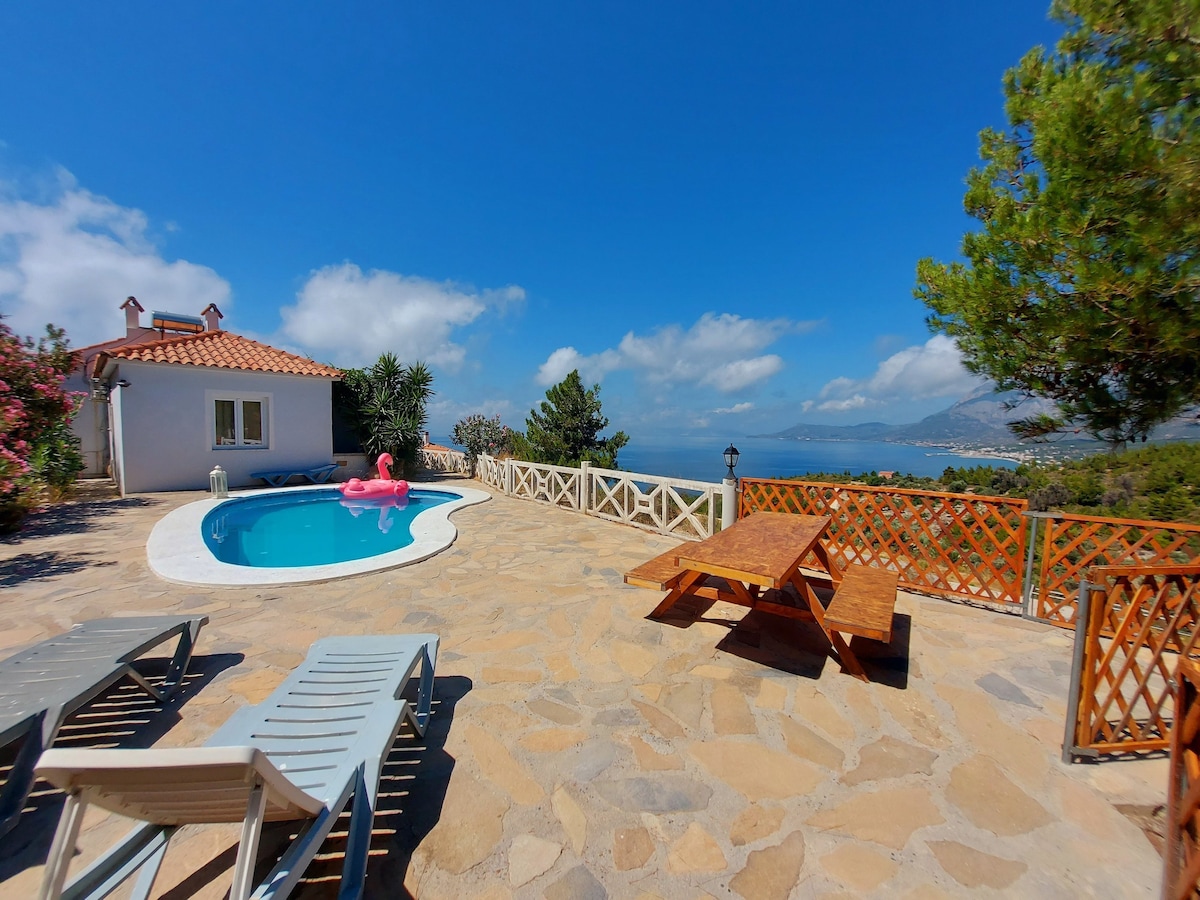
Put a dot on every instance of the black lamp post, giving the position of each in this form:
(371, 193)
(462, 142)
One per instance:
(731, 458)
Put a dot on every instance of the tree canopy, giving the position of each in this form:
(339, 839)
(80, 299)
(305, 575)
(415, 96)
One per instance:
(480, 435)
(566, 431)
(385, 405)
(1083, 284)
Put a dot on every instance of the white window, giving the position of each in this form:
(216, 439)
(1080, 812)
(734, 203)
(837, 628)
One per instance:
(238, 420)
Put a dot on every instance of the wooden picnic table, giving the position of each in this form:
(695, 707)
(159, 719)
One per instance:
(757, 558)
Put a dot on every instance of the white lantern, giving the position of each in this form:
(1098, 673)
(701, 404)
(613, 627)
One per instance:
(218, 483)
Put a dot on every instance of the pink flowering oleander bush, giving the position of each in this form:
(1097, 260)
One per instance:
(37, 449)
(480, 435)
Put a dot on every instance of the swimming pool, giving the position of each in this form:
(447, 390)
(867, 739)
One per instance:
(303, 534)
(313, 529)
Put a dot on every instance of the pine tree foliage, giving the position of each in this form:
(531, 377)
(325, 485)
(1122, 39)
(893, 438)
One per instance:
(567, 430)
(1083, 284)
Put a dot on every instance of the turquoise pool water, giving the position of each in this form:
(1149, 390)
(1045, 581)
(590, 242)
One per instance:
(312, 528)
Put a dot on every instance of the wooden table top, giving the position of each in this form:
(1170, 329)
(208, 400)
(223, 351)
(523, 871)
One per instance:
(764, 548)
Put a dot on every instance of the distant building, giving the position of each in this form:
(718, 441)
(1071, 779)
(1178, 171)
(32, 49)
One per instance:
(427, 444)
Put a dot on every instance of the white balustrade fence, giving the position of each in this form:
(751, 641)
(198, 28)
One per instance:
(556, 485)
(674, 506)
(492, 471)
(444, 461)
(666, 505)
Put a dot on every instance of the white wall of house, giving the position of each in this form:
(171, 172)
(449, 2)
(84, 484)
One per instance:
(353, 465)
(164, 425)
(115, 406)
(90, 425)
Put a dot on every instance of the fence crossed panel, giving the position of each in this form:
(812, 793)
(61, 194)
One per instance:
(1136, 623)
(1181, 855)
(444, 461)
(1072, 545)
(958, 545)
(556, 485)
(669, 506)
(490, 471)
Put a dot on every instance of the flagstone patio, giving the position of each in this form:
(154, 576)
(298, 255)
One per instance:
(580, 750)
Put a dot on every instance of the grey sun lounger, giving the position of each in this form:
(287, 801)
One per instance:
(42, 685)
(321, 736)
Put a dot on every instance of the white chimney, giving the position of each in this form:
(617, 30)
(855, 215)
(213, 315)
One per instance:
(132, 308)
(212, 317)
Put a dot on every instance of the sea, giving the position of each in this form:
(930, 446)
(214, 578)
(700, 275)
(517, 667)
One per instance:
(699, 458)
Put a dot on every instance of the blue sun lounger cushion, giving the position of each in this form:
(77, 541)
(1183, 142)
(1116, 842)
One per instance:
(279, 477)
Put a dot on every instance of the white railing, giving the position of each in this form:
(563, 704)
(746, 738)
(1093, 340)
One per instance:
(444, 461)
(666, 505)
(492, 471)
(556, 485)
(674, 506)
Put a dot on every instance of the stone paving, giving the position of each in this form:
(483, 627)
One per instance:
(580, 750)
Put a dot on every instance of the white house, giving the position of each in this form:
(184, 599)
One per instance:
(91, 421)
(169, 403)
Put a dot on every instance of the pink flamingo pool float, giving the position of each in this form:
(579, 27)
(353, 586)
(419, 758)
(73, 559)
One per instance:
(383, 486)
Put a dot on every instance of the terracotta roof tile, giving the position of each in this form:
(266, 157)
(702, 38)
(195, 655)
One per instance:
(222, 350)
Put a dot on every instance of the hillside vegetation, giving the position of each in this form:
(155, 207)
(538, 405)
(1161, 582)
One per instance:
(1160, 482)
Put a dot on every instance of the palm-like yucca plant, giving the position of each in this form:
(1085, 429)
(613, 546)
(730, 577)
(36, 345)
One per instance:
(386, 405)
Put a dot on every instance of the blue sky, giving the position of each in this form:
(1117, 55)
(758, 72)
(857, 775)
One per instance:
(712, 209)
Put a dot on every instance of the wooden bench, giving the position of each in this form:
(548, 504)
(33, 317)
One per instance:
(864, 603)
(279, 477)
(659, 574)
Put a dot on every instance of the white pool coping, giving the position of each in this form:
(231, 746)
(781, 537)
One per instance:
(177, 552)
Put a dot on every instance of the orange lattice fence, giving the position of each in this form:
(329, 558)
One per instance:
(958, 545)
(1181, 855)
(1136, 623)
(1073, 544)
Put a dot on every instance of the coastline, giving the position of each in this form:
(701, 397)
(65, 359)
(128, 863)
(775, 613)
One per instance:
(1000, 454)
(699, 457)
(1015, 456)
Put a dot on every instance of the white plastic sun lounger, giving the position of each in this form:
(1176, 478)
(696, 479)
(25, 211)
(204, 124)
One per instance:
(42, 685)
(321, 736)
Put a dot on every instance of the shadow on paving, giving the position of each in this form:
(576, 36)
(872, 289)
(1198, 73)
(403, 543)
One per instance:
(798, 647)
(124, 717)
(412, 790)
(72, 517)
(51, 564)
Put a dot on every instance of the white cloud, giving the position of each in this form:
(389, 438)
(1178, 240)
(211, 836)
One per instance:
(351, 317)
(742, 373)
(562, 361)
(933, 369)
(720, 351)
(73, 258)
(858, 401)
(444, 413)
(734, 410)
(456, 410)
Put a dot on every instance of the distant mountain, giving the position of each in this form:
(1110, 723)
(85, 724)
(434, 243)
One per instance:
(978, 420)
